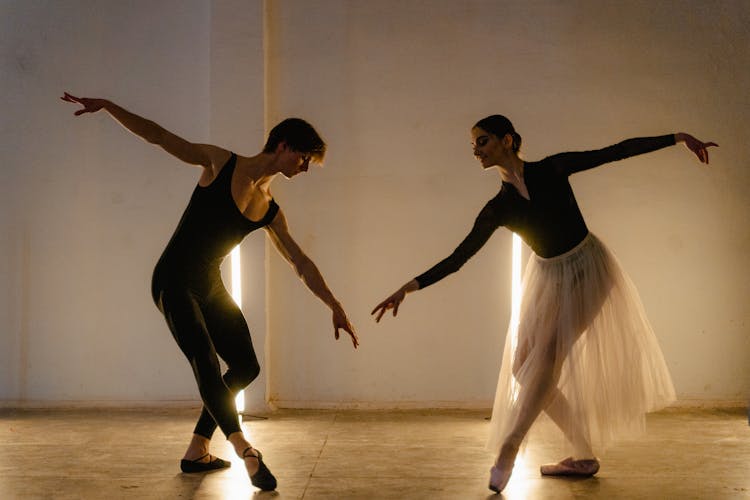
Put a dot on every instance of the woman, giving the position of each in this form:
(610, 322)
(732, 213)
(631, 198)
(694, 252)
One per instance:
(584, 352)
(232, 199)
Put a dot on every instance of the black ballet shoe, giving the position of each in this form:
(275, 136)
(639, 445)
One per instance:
(263, 479)
(198, 466)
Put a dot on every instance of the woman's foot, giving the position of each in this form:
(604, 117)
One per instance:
(259, 474)
(499, 478)
(501, 471)
(570, 467)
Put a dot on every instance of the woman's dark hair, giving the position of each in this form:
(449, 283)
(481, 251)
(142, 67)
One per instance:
(498, 125)
(299, 136)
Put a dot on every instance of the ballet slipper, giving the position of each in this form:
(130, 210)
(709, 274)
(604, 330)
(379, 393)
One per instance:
(198, 466)
(570, 467)
(262, 479)
(499, 478)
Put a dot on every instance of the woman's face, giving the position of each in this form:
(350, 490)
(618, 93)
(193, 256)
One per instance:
(487, 147)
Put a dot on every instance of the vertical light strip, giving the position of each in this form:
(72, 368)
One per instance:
(236, 277)
(239, 401)
(516, 283)
(515, 308)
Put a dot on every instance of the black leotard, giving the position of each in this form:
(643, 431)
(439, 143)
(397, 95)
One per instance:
(209, 229)
(200, 313)
(551, 222)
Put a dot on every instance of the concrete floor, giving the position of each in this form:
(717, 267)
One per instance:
(437, 454)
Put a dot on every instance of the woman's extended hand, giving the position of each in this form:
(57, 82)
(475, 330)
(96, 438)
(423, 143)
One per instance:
(394, 300)
(341, 322)
(89, 105)
(700, 148)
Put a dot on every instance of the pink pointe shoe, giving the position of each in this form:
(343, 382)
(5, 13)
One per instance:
(499, 478)
(569, 467)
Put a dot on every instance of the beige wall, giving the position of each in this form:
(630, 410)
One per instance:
(86, 208)
(394, 87)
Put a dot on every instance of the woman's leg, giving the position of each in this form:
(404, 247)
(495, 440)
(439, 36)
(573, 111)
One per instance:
(559, 409)
(538, 384)
(583, 463)
(561, 413)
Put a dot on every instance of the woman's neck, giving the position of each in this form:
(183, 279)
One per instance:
(511, 169)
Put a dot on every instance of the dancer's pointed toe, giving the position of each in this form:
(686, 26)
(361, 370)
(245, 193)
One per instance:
(499, 478)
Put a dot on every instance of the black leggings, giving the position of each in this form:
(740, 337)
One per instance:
(206, 323)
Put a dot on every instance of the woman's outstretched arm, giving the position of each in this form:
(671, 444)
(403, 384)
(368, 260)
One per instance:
(205, 155)
(306, 269)
(485, 224)
(570, 163)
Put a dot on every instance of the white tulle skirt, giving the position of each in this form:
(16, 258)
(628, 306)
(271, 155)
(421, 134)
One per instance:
(584, 353)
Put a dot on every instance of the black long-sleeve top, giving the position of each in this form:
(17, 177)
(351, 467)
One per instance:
(550, 222)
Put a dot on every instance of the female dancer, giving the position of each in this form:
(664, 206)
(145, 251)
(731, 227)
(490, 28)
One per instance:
(232, 199)
(584, 352)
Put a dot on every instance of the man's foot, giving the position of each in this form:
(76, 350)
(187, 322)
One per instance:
(260, 476)
(569, 467)
(203, 464)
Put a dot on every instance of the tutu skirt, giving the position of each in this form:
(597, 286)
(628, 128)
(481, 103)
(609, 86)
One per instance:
(583, 351)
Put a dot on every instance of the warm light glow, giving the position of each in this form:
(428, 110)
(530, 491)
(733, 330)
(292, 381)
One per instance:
(516, 281)
(236, 277)
(239, 401)
(515, 308)
(519, 486)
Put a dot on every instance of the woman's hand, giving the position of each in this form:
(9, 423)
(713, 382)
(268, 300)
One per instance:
(698, 147)
(394, 301)
(341, 322)
(89, 105)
